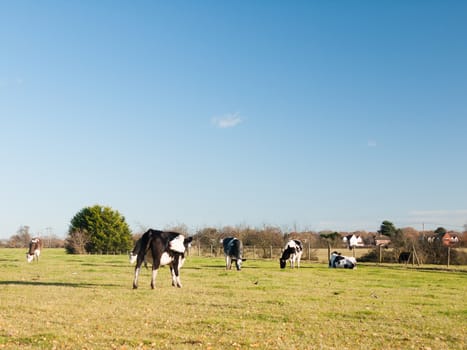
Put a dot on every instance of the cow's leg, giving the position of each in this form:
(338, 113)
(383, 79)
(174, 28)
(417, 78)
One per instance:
(135, 279)
(172, 273)
(153, 277)
(139, 262)
(298, 261)
(228, 262)
(175, 270)
(156, 263)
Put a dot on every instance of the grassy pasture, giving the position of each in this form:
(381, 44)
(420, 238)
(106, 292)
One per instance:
(86, 302)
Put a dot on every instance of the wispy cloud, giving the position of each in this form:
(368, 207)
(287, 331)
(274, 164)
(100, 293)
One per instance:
(349, 225)
(450, 218)
(371, 143)
(227, 121)
(9, 83)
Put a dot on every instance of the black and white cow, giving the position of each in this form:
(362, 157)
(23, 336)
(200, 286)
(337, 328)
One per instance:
(339, 261)
(293, 252)
(161, 248)
(404, 257)
(233, 251)
(35, 246)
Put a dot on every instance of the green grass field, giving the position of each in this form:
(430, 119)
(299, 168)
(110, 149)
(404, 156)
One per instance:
(87, 302)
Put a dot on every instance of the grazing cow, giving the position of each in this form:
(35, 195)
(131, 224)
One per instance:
(161, 248)
(404, 257)
(339, 261)
(293, 252)
(233, 251)
(35, 247)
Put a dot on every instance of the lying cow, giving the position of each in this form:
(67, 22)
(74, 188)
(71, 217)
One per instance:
(339, 261)
(35, 246)
(233, 251)
(161, 248)
(293, 252)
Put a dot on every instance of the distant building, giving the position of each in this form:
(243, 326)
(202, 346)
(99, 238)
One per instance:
(382, 240)
(353, 241)
(449, 239)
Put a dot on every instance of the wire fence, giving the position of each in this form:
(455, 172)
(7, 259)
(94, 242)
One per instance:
(271, 252)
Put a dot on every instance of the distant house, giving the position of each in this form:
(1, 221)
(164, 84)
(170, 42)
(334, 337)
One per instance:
(353, 241)
(449, 239)
(382, 240)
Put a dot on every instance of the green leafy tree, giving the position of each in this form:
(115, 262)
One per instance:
(105, 229)
(388, 229)
(440, 232)
(332, 239)
(398, 239)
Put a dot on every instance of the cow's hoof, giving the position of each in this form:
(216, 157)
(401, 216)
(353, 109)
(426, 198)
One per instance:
(135, 287)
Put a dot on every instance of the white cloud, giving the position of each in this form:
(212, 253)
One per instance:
(371, 143)
(227, 121)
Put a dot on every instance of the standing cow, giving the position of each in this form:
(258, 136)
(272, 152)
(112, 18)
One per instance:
(293, 251)
(35, 246)
(339, 261)
(161, 248)
(404, 257)
(233, 251)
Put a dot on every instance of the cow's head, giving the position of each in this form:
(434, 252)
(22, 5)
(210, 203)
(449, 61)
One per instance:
(132, 256)
(29, 257)
(238, 264)
(282, 263)
(187, 242)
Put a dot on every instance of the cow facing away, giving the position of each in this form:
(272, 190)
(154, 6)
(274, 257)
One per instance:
(293, 252)
(339, 261)
(35, 246)
(161, 248)
(233, 251)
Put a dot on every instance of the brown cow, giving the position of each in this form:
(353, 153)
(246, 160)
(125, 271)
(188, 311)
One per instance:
(35, 247)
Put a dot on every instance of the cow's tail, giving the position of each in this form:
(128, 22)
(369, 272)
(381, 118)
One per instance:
(145, 241)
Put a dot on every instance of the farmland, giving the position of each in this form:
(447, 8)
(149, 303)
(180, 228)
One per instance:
(86, 302)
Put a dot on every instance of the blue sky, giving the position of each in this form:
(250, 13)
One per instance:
(300, 114)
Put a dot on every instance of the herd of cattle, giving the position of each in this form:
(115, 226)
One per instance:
(160, 248)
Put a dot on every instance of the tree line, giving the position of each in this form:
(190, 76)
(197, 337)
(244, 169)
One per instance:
(103, 230)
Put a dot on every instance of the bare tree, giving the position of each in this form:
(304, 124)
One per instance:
(21, 239)
(76, 242)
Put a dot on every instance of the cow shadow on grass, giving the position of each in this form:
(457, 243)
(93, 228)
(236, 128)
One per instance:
(58, 284)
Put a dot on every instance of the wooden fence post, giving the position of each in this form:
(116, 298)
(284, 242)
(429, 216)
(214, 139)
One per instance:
(449, 255)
